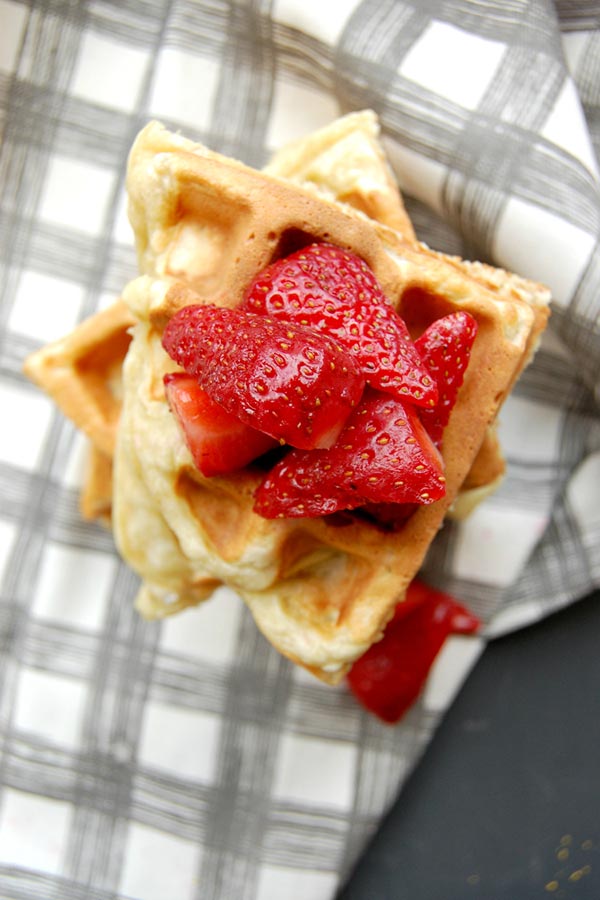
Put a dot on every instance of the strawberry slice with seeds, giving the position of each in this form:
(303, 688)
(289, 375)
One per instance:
(445, 347)
(334, 291)
(219, 442)
(383, 454)
(389, 677)
(281, 379)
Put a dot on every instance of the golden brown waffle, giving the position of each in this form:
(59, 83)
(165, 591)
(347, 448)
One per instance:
(321, 591)
(205, 225)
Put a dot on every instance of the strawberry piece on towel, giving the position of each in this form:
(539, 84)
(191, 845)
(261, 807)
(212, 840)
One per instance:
(389, 677)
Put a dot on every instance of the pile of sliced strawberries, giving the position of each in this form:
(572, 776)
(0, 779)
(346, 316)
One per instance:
(317, 360)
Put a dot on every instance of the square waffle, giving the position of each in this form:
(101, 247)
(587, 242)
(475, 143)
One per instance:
(205, 225)
(321, 592)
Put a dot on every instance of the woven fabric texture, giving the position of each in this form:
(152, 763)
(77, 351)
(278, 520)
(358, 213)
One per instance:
(187, 759)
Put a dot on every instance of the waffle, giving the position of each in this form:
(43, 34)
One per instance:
(321, 590)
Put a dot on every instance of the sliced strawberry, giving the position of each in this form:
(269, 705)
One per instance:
(282, 379)
(334, 292)
(219, 442)
(446, 349)
(382, 455)
(389, 677)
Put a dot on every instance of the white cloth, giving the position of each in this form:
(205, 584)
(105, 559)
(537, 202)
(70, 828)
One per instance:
(188, 759)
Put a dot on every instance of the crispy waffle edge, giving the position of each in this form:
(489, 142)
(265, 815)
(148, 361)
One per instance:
(321, 592)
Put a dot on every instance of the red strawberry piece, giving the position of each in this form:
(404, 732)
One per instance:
(446, 349)
(389, 677)
(382, 455)
(389, 516)
(334, 292)
(282, 379)
(219, 442)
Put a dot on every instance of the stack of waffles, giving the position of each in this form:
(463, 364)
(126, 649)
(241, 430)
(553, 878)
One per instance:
(205, 226)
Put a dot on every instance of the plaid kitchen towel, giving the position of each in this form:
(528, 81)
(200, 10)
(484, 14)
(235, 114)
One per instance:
(187, 759)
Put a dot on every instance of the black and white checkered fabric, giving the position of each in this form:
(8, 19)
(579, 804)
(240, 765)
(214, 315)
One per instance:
(188, 760)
